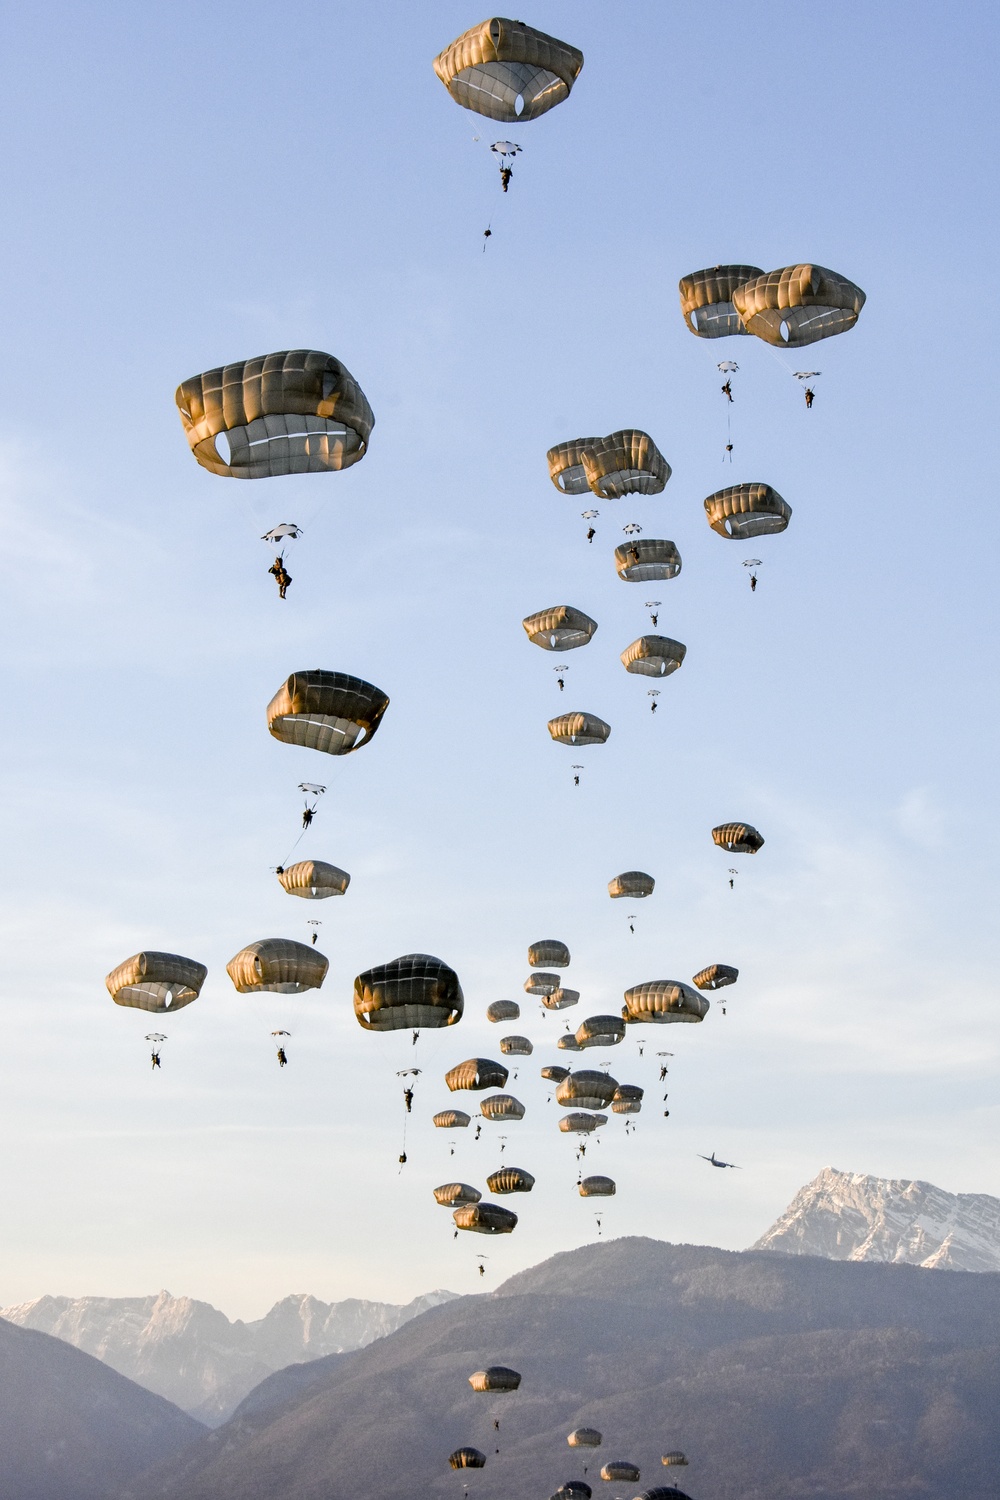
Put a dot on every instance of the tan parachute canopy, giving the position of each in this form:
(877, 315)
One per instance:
(674, 1459)
(548, 953)
(585, 1437)
(554, 1074)
(565, 462)
(621, 1469)
(510, 1180)
(586, 1089)
(742, 511)
(502, 1107)
(634, 883)
(451, 1194)
(798, 305)
(627, 1099)
(467, 1458)
(579, 729)
(328, 711)
(277, 966)
(600, 1031)
(597, 1187)
(503, 1010)
(707, 299)
(452, 1119)
(647, 560)
(508, 71)
(314, 879)
(485, 1218)
(411, 992)
(541, 983)
(560, 999)
(627, 462)
(561, 628)
(156, 981)
(579, 1123)
(653, 656)
(495, 1378)
(476, 1073)
(568, 1043)
(715, 977)
(299, 411)
(665, 1000)
(516, 1046)
(738, 838)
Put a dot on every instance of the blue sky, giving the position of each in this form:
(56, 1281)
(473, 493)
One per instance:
(185, 186)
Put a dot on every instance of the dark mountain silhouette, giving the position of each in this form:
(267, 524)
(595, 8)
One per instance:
(70, 1428)
(790, 1378)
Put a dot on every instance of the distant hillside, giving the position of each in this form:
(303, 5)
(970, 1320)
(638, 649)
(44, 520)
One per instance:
(70, 1428)
(850, 1216)
(781, 1377)
(193, 1355)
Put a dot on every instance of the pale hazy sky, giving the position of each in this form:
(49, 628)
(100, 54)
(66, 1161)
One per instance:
(188, 185)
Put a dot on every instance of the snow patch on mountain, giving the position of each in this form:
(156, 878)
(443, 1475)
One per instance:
(852, 1216)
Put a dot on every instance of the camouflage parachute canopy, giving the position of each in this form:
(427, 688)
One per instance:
(798, 305)
(503, 1010)
(647, 560)
(451, 1194)
(560, 999)
(452, 1119)
(156, 981)
(665, 1000)
(501, 1107)
(585, 1437)
(586, 1089)
(508, 71)
(579, 729)
(548, 953)
(707, 299)
(510, 1180)
(601, 1031)
(541, 983)
(314, 880)
(476, 1073)
(633, 883)
(581, 1123)
(626, 462)
(738, 838)
(328, 711)
(743, 511)
(560, 628)
(277, 966)
(597, 1187)
(467, 1458)
(715, 977)
(299, 411)
(411, 992)
(495, 1378)
(653, 656)
(516, 1046)
(485, 1218)
(620, 1469)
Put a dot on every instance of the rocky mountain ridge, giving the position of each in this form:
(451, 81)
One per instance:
(853, 1216)
(192, 1354)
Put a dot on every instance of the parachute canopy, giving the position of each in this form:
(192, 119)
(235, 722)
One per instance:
(665, 1000)
(516, 1046)
(156, 981)
(620, 1469)
(278, 966)
(627, 1099)
(626, 462)
(476, 1073)
(495, 1378)
(585, 1437)
(508, 71)
(579, 729)
(510, 1180)
(502, 1107)
(633, 883)
(742, 511)
(450, 1194)
(554, 1074)
(314, 880)
(673, 1459)
(467, 1458)
(597, 1187)
(715, 977)
(560, 999)
(707, 299)
(647, 561)
(568, 1043)
(452, 1119)
(299, 411)
(579, 1123)
(573, 1489)
(287, 531)
(586, 1089)
(503, 1010)
(738, 838)
(328, 711)
(485, 1218)
(548, 953)
(561, 628)
(541, 983)
(413, 992)
(600, 1031)
(566, 470)
(798, 305)
(653, 656)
